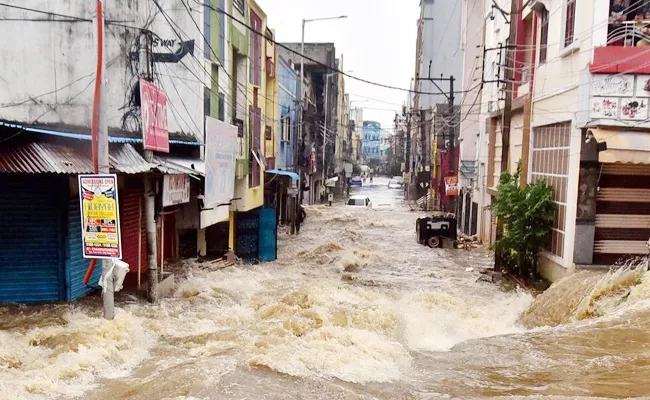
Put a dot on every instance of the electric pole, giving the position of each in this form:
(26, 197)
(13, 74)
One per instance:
(507, 111)
(149, 187)
(100, 149)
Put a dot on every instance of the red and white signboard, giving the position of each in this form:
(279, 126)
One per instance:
(451, 185)
(155, 133)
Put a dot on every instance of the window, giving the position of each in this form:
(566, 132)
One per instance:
(255, 146)
(357, 202)
(543, 36)
(256, 50)
(222, 107)
(569, 22)
(286, 129)
(268, 133)
(207, 28)
(239, 4)
(207, 94)
(550, 161)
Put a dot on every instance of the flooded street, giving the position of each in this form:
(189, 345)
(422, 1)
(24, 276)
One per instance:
(353, 309)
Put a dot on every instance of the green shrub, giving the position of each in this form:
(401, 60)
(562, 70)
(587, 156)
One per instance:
(527, 216)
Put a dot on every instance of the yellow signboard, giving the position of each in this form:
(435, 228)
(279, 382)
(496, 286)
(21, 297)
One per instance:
(100, 216)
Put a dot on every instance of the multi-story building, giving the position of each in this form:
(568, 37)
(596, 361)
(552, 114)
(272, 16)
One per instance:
(54, 131)
(356, 122)
(578, 120)
(371, 145)
(470, 106)
(204, 75)
(439, 58)
(319, 84)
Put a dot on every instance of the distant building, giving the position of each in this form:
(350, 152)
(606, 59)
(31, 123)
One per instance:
(371, 147)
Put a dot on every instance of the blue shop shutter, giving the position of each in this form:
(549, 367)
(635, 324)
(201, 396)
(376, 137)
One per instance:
(75, 264)
(31, 236)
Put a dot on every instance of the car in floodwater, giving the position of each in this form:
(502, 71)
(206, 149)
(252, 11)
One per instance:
(358, 201)
(356, 181)
(396, 182)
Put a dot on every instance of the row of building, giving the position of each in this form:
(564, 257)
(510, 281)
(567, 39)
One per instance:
(219, 70)
(558, 86)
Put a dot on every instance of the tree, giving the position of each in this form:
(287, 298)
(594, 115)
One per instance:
(527, 214)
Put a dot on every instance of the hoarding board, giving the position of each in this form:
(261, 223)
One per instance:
(220, 160)
(153, 105)
(100, 216)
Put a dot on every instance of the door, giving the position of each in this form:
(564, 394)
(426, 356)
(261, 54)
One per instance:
(268, 234)
(33, 211)
(247, 235)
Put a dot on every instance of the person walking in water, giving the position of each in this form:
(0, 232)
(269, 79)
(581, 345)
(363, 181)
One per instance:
(300, 218)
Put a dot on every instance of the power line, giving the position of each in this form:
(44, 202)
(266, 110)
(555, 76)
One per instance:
(333, 69)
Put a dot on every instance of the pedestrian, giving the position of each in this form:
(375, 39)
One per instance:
(302, 215)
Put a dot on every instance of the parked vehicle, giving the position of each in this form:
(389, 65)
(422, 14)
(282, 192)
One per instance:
(356, 181)
(396, 182)
(359, 201)
(431, 230)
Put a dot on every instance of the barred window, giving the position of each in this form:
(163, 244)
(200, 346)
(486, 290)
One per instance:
(550, 162)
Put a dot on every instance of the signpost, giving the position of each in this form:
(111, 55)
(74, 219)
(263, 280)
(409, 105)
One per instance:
(100, 216)
(176, 190)
(155, 132)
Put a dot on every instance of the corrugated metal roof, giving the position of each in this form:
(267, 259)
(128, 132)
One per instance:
(58, 158)
(88, 137)
(176, 165)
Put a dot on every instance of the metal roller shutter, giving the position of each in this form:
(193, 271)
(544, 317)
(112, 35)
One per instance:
(623, 212)
(31, 249)
(75, 264)
(133, 228)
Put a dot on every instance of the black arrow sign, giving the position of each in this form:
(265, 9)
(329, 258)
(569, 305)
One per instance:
(184, 49)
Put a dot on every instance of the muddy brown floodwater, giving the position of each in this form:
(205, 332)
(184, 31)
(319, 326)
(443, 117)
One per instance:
(353, 309)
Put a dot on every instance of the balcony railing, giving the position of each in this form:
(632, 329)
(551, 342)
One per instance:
(627, 50)
(629, 33)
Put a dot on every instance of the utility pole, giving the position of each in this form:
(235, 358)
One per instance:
(507, 111)
(100, 148)
(149, 187)
(450, 113)
(327, 81)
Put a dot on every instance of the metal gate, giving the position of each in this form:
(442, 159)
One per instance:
(31, 238)
(247, 235)
(268, 234)
(134, 235)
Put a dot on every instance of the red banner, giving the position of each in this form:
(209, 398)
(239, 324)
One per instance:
(153, 102)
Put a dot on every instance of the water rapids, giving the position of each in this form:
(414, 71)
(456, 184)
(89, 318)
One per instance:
(353, 309)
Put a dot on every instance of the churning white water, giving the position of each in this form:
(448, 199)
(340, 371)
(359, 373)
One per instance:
(353, 309)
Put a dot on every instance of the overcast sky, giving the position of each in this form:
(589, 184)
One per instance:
(377, 42)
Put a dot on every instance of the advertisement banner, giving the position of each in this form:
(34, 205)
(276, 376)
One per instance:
(451, 185)
(220, 160)
(153, 105)
(176, 190)
(100, 216)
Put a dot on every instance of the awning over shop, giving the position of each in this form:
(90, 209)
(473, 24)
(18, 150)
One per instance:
(72, 158)
(290, 174)
(627, 147)
(175, 165)
(86, 136)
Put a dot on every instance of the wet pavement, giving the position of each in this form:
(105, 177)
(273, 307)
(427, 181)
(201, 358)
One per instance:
(353, 309)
